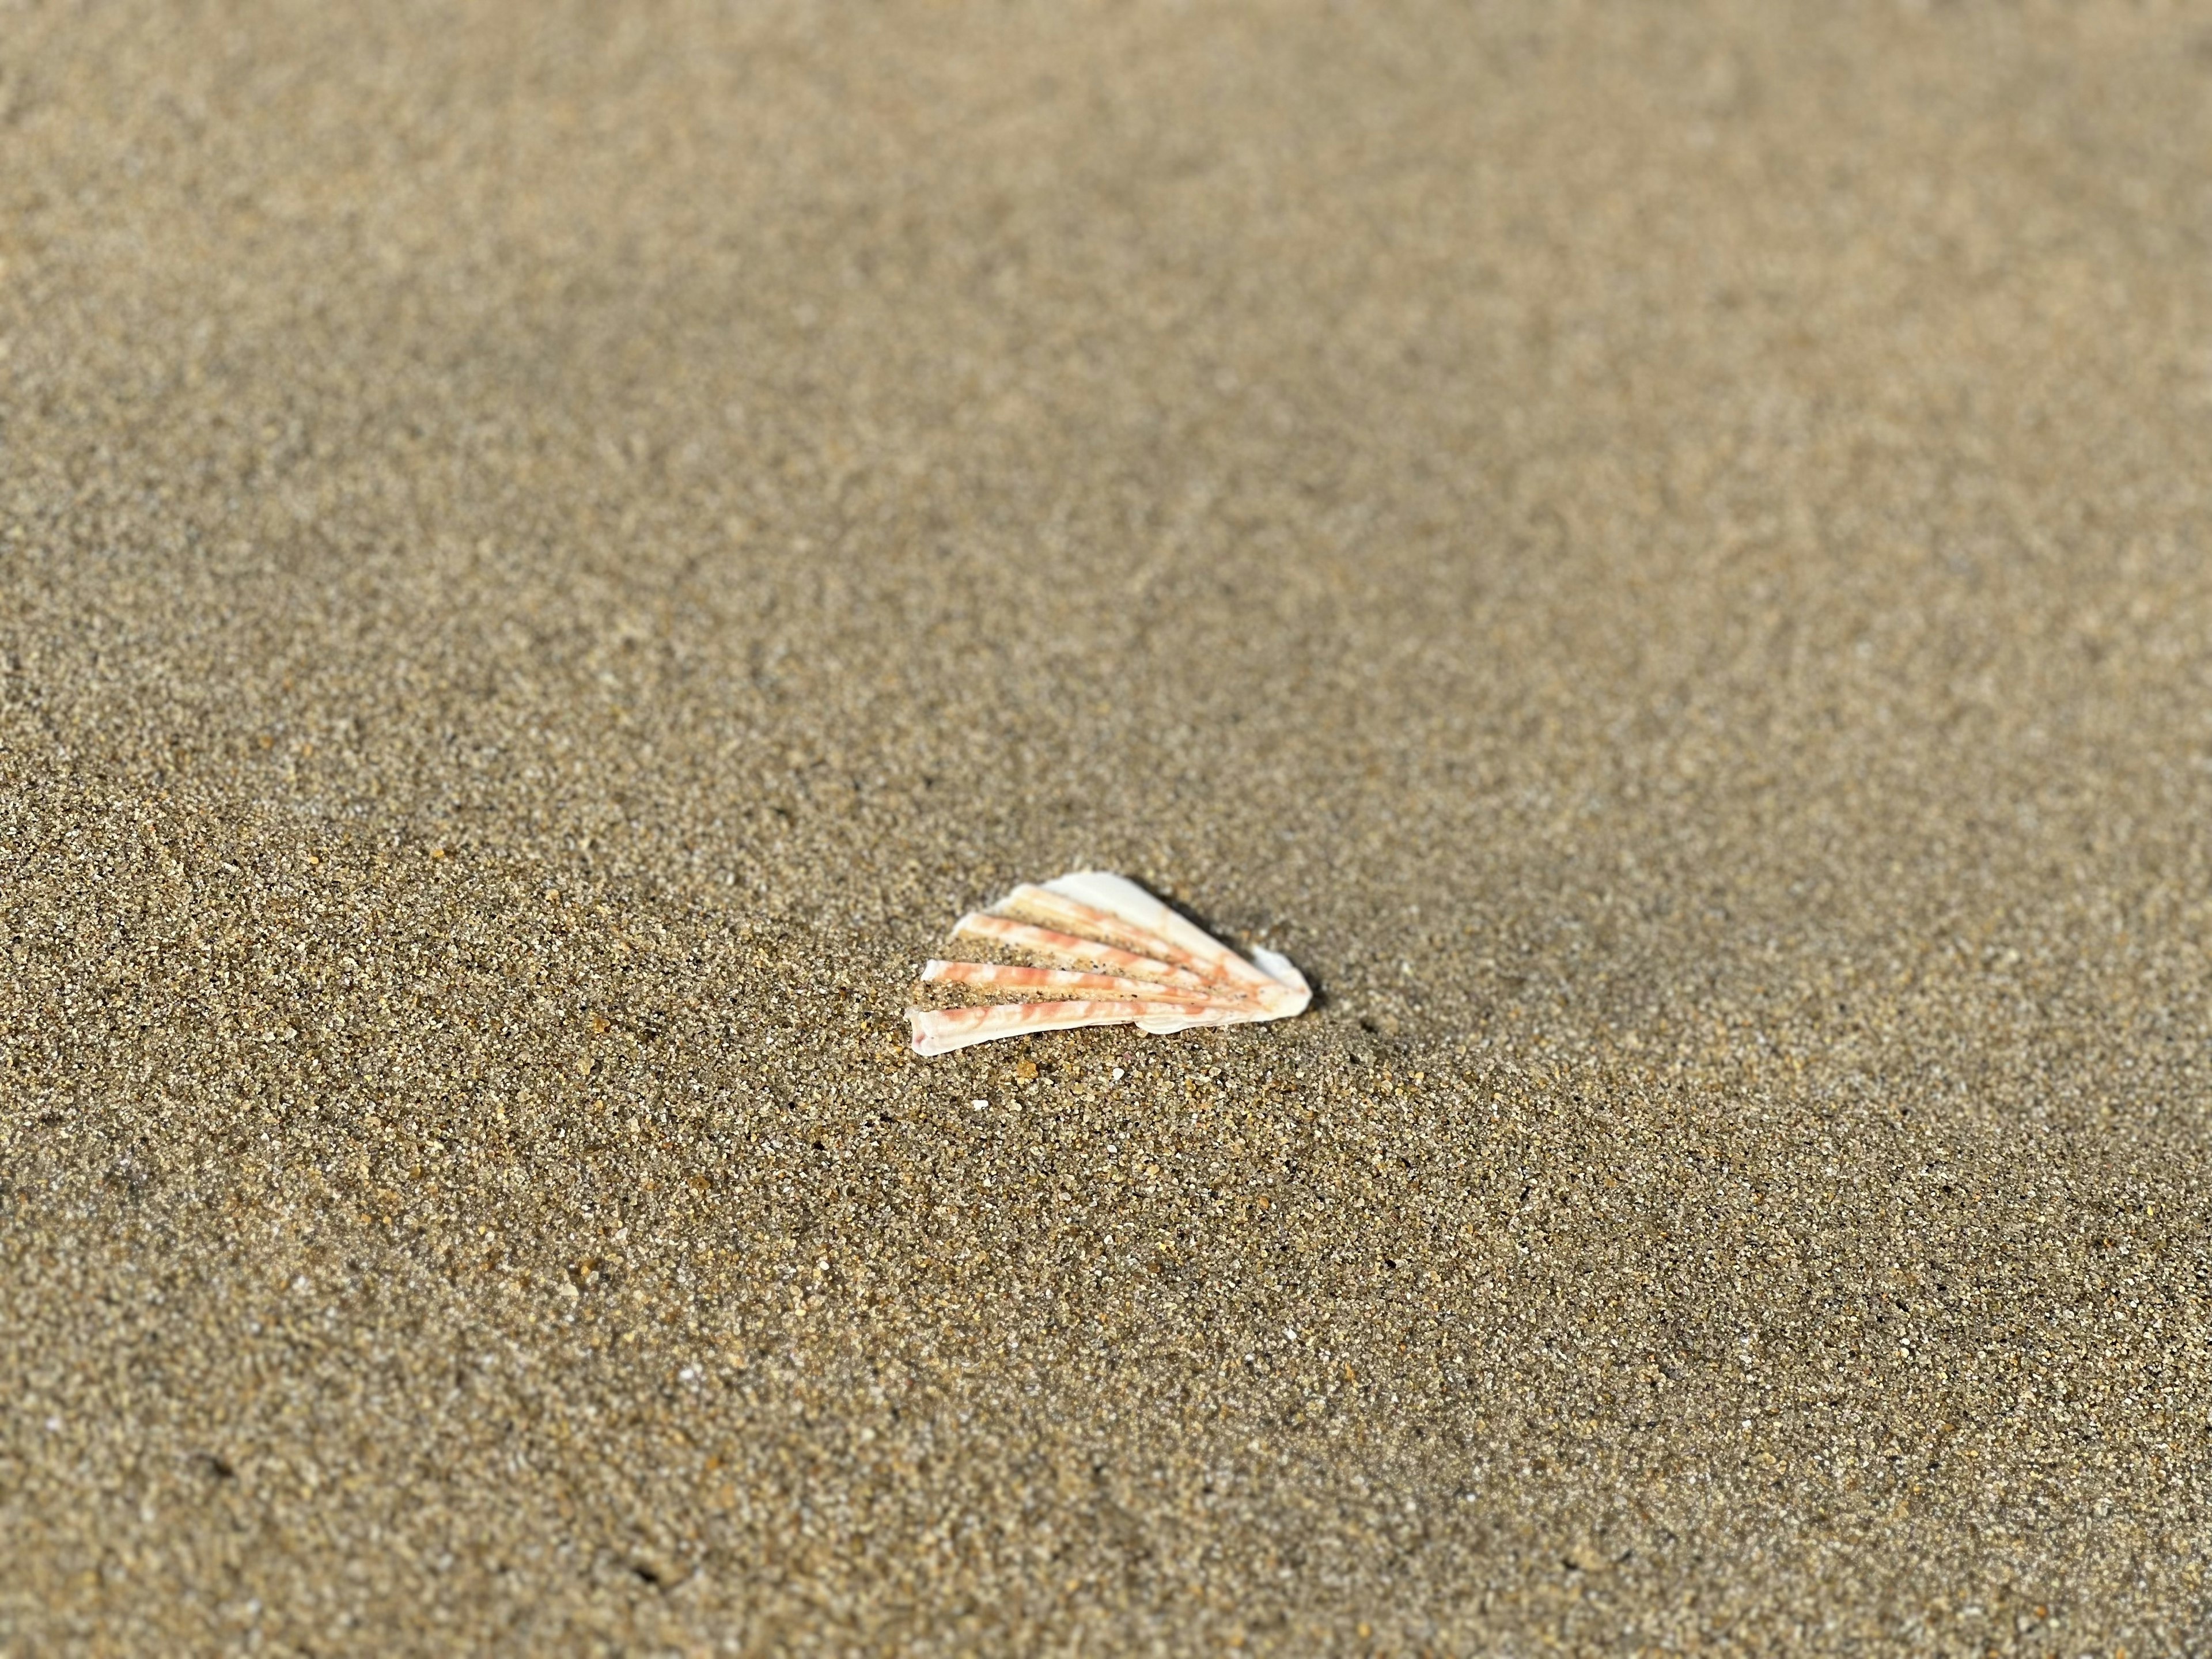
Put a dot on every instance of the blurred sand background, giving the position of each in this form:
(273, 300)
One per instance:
(547, 552)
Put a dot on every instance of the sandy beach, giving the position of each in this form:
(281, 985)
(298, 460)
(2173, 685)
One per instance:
(1659, 554)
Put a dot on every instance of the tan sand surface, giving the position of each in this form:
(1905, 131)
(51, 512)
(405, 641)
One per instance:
(1660, 552)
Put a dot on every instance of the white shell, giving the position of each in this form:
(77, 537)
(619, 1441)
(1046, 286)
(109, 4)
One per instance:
(1118, 956)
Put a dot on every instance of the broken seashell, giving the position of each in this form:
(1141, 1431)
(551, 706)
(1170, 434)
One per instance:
(1117, 956)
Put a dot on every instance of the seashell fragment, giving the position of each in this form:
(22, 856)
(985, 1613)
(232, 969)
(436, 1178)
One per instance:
(1111, 955)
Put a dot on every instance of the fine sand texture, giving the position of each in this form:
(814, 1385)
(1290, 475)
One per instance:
(1659, 553)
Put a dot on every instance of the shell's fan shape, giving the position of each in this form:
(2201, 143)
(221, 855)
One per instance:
(1100, 951)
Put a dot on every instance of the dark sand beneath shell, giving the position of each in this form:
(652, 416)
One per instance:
(1661, 553)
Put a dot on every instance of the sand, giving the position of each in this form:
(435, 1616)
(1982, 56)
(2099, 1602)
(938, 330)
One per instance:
(1661, 554)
